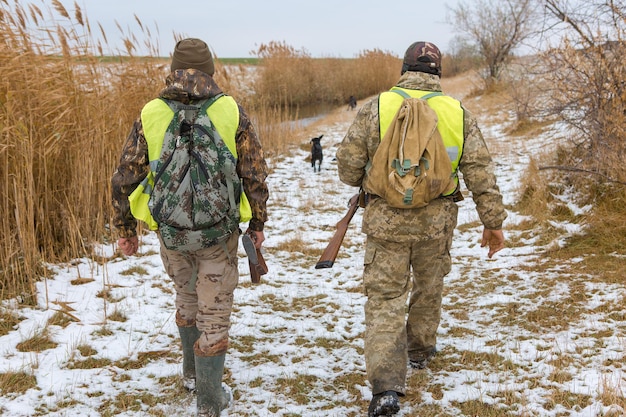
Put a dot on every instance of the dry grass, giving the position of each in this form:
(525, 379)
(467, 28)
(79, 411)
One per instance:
(58, 143)
(37, 343)
(291, 77)
(16, 382)
(545, 194)
(8, 320)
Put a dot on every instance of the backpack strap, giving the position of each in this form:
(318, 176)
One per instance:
(430, 95)
(401, 92)
(424, 97)
(202, 104)
(206, 103)
(177, 105)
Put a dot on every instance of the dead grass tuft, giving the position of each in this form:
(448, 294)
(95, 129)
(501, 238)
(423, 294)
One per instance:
(127, 403)
(8, 320)
(37, 343)
(16, 382)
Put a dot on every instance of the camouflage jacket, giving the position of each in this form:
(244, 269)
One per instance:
(185, 85)
(384, 222)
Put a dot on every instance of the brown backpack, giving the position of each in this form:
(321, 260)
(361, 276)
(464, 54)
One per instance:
(411, 166)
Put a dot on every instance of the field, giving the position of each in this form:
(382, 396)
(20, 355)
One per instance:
(532, 332)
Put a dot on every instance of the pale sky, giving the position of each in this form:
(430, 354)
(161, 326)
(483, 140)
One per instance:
(324, 28)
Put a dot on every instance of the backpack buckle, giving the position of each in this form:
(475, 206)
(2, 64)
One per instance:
(401, 169)
(408, 196)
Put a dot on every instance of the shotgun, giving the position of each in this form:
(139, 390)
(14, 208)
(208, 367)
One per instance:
(330, 253)
(256, 262)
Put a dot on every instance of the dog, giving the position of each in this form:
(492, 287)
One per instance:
(352, 103)
(316, 154)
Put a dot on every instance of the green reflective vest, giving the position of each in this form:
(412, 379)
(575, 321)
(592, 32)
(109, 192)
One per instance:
(155, 119)
(450, 124)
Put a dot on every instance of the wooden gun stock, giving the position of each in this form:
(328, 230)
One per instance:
(256, 262)
(257, 270)
(330, 253)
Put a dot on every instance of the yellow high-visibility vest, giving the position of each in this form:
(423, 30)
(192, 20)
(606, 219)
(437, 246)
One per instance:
(449, 112)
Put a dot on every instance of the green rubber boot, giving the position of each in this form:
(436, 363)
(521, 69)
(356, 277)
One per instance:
(211, 397)
(188, 336)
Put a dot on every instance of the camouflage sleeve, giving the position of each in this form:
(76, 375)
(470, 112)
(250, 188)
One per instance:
(252, 169)
(359, 145)
(479, 177)
(132, 169)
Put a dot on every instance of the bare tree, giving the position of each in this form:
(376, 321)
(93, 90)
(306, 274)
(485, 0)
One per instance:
(461, 56)
(588, 76)
(497, 27)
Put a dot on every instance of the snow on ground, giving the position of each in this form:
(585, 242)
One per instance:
(296, 338)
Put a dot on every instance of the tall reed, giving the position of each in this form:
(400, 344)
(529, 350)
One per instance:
(292, 77)
(64, 114)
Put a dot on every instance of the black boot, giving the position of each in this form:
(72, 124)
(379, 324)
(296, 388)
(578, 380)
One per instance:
(188, 336)
(211, 397)
(421, 361)
(384, 404)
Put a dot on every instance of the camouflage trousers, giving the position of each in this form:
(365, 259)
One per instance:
(394, 273)
(205, 281)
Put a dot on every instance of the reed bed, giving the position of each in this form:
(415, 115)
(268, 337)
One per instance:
(64, 113)
(292, 77)
(67, 104)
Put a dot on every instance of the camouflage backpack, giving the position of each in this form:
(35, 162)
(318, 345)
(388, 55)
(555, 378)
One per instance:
(195, 198)
(411, 166)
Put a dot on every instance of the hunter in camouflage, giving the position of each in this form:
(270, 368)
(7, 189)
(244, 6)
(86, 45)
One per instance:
(407, 251)
(133, 168)
(204, 279)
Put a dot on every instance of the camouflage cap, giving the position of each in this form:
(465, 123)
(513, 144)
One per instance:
(192, 53)
(423, 57)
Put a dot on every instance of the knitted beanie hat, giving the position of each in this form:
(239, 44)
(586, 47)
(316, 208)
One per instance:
(193, 53)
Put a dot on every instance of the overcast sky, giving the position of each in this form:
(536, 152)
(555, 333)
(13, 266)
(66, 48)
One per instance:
(234, 28)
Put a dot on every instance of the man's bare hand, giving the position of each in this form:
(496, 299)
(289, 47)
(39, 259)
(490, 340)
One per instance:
(257, 237)
(128, 245)
(494, 239)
